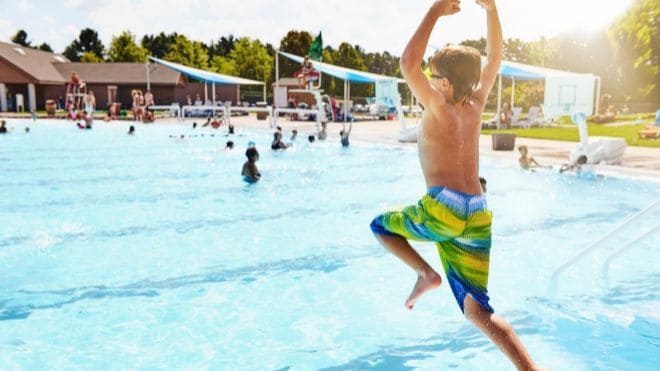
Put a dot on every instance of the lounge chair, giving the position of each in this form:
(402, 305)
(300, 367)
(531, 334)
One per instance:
(515, 117)
(649, 132)
(534, 117)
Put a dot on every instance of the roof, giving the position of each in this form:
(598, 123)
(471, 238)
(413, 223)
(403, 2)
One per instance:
(36, 63)
(206, 76)
(287, 81)
(119, 73)
(528, 72)
(343, 72)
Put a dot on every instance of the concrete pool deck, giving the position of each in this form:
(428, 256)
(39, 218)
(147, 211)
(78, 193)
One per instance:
(638, 162)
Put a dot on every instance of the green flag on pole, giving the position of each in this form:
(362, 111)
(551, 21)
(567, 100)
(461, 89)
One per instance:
(316, 49)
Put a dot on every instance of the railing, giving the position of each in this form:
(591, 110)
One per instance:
(277, 111)
(174, 108)
(213, 109)
(579, 256)
(267, 109)
(624, 248)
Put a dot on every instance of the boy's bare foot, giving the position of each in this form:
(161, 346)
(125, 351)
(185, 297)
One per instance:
(426, 282)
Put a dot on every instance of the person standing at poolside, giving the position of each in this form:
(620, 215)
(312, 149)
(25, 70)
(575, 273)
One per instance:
(3, 127)
(344, 135)
(453, 213)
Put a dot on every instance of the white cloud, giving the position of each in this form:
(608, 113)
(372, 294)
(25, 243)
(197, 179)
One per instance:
(73, 3)
(24, 5)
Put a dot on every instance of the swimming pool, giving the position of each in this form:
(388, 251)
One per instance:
(149, 252)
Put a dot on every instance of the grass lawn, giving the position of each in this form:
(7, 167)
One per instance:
(570, 134)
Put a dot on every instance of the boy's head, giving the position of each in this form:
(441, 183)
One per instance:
(230, 144)
(523, 150)
(456, 70)
(582, 160)
(311, 139)
(252, 154)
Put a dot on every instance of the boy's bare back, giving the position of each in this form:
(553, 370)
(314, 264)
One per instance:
(448, 146)
(448, 139)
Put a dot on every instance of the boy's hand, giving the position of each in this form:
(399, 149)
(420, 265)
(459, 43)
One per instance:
(487, 4)
(447, 7)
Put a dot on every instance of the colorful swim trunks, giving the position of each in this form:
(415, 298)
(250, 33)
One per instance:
(460, 224)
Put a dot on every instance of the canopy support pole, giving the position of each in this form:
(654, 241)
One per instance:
(146, 64)
(213, 92)
(513, 91)
(598, 87)
(277, 68)
(346, 97)
(206, 92)
(265, 96)
(499, 98)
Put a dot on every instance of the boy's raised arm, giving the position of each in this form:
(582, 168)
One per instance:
(413, 54)
(494, 59)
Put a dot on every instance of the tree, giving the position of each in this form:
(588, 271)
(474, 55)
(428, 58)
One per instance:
(20, 38)
(187, 52)
(159, 45)
(89, 57)
(349, 56)
(222, 47)
(123, 48)
(252, 60)
(88, 41)
(479, 44)
(297, 43)
(636, 36)
(45, 48)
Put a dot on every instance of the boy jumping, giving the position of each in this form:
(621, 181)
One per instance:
(453, 213)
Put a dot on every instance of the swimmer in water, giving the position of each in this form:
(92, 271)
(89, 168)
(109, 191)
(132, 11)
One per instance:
(250, 172)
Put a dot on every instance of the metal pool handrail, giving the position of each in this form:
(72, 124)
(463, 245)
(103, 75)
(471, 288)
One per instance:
(608, 261)
(589, 248)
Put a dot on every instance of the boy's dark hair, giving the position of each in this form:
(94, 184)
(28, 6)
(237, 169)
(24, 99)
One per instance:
(251, 153)
(582, 160)
(230, 144)
(311, 138)
(461, 65)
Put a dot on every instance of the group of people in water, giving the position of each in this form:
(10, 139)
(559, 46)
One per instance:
(251, 174)
(528, 162)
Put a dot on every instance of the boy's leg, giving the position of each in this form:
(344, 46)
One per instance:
(427, 278)
(500, 332)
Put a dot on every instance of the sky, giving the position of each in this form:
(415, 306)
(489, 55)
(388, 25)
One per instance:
(375, 25)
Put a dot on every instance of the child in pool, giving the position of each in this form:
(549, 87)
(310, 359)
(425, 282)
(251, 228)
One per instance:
(453, 213)
(250, 172)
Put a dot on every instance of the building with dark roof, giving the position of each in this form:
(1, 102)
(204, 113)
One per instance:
(29, 77)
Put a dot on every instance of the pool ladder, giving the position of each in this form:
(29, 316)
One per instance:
(606, 266)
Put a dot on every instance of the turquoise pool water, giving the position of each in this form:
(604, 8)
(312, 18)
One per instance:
(149, 252)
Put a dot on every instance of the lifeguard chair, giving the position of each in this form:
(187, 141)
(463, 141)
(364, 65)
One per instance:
(76, 90)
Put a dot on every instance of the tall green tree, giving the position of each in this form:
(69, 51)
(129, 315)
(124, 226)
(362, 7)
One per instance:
(158, 45)
(479, 44)
(124, 48)
(349, 56)
(187, 52)
(222, 47)
(44, 47)
(88, 41)
(294, 42)
(252, 60)
(636, 36)
(20, 38)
